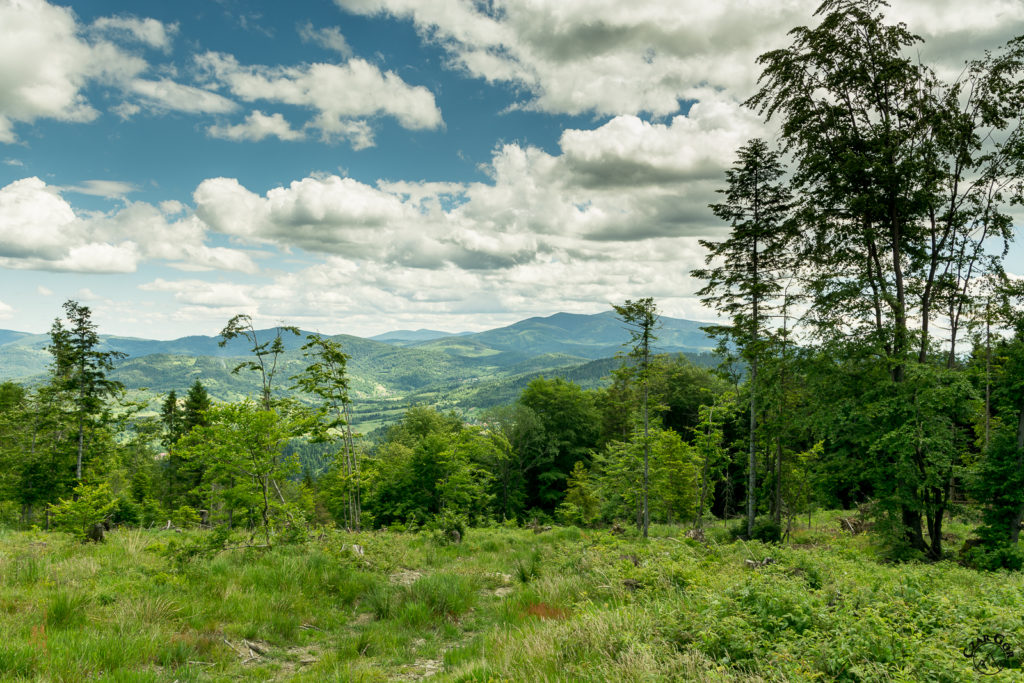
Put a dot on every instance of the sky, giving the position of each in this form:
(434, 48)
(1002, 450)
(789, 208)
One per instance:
(358, 166)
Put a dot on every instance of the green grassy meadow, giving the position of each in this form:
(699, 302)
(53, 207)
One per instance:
(504, 605)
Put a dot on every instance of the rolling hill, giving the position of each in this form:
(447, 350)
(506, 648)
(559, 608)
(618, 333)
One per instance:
(389, 373)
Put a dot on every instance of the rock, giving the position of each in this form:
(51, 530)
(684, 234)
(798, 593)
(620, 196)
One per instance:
(754, 564)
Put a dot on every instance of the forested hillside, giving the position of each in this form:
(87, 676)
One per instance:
(387, 374)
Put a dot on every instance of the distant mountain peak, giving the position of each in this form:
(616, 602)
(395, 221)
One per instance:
(420, 335)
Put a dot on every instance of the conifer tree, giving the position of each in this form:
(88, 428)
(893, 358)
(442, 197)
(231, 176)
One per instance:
(746, 271)
(80, 370)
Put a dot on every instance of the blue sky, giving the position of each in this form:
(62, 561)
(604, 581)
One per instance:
(364, 165)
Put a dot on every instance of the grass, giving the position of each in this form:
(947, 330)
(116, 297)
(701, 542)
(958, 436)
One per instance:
(504, 605)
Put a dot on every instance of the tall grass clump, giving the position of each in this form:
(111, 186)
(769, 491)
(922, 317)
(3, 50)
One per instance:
(445, 594)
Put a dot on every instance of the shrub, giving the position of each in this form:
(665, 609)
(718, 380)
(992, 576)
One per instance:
(765, 530)
(448, 526)
(151, 513)
(91, 505)
(994, 556)
(126, 512)
(185, 517)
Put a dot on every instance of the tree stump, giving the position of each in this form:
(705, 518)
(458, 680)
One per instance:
(95, 533)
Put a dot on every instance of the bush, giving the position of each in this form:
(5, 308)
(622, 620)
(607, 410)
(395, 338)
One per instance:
(152, 513)
(448, 526)
(126, 512)
(994, 556)
(765, 530)
(185, 517)
(91, 505)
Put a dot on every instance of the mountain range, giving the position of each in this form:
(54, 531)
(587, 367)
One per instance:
(466, 371)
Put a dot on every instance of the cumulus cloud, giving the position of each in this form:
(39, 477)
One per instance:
(6, 311)
(35, 222)
(343, 95)
(257, 126)
(611, 57)
(39, 230)
(48, 59)
(598, 55)
(627, 181)
(45, 64)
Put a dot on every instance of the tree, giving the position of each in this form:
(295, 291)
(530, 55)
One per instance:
(431, 464)
(710, 451)
(580, 505)
(170, 417)
(326, 378)
(193, 412)
(243, 446)
(750, 268)
(267, 353)
(80, 369)
(902, 180)
(91, 505)
(641, 318)
(567, 418)
(999, 476)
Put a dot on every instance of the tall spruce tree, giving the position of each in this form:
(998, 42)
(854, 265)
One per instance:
(641, 319)
(746, 271)
(79, 369)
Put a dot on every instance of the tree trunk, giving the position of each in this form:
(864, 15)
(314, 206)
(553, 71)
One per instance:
(647, 447)
(704, 475)
(778, 480)
(266, 509)
(1019, 517)
(912, 528)
(752, 457)
(81, 443)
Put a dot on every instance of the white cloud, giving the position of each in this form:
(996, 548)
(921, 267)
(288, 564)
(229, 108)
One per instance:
(257, 126)
(6, 311)
(111, 189)
(148, 31)
(126, 110)
(613, 57)
(44, 291)
(44, 65)
(166, 94)
(628, 181)
(343, 95)
(328, 37)
(204, 294)
(39, 230)
(601, 56)
(35, 222)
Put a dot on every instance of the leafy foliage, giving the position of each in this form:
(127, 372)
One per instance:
(91, 505)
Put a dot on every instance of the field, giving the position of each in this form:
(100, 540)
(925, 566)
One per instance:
(505, 604)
